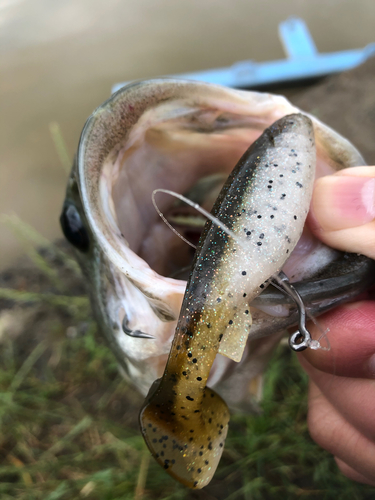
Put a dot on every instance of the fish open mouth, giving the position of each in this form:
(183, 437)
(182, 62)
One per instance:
(187, 149)
(187, 137)
(189, 145)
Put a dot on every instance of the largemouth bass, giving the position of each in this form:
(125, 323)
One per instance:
(175, 135)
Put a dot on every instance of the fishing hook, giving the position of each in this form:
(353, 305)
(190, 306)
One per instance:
(301, 339)
(138, 334)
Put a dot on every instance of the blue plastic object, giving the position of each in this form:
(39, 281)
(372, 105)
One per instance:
(303, 62)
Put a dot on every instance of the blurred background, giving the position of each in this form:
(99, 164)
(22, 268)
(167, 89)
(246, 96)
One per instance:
(59, 60)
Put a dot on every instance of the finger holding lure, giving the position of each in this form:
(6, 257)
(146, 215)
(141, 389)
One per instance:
(183, 422)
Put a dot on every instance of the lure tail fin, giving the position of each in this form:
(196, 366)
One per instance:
(186, 440)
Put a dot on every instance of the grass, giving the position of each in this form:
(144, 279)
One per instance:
(69, 421)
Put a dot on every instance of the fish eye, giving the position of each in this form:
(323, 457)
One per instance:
(73, 228)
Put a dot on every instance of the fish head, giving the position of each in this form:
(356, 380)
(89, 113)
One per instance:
(186, 137)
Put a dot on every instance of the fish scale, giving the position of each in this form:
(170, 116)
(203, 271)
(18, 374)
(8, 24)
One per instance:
(184, 423)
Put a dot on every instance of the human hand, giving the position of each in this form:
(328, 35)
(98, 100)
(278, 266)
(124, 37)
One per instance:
(342, 381)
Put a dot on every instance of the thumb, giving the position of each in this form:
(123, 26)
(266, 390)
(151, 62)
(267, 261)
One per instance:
(342, 210)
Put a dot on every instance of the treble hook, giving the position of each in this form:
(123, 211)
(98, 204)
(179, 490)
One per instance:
(301, 339)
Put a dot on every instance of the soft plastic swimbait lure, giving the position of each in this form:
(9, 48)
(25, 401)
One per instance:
(264, 203)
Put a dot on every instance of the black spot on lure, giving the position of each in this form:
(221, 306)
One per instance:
(184, 422)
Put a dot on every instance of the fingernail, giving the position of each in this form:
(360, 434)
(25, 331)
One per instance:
(340, 202)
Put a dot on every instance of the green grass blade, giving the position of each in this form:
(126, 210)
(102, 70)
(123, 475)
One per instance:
(34, 240)
(81, 427)
(60, 145)
(74, 304)
(27, 366)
